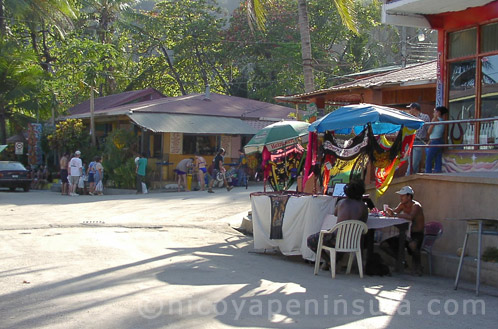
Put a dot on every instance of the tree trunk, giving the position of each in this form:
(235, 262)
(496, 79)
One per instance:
(309, 84)
(2, 20)
(173, 71)
(3, 127)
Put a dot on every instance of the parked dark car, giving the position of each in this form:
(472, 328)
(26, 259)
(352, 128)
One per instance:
(13, 174)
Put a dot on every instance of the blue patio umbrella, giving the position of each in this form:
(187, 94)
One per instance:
(384, 120)
(2, 147)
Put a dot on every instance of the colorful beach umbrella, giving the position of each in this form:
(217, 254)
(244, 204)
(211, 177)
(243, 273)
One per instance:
(384, 120)
(277, 136)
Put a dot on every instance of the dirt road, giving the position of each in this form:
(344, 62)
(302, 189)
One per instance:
(171, 260)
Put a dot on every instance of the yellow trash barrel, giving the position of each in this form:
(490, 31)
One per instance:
(189, 181)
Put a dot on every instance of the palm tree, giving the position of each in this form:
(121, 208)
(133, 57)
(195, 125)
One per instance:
(35, 14)
(19, 81)
(257, 15)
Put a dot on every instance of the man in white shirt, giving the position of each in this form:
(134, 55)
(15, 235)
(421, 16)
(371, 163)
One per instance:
(420, 139)
(76, 170)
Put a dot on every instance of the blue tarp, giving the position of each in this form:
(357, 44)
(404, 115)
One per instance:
(384, 120)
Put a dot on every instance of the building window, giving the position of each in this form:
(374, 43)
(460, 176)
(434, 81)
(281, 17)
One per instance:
(157, 151)
(489, 38)
(205, 145)
(463, 43)
(469, 70)
(489, 91)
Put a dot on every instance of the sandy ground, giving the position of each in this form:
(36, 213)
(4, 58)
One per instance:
(171, 260)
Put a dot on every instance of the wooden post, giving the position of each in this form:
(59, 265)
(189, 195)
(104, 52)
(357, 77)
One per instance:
(92, 117)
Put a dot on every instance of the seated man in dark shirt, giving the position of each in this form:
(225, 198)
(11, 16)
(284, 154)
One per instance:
(350, 208)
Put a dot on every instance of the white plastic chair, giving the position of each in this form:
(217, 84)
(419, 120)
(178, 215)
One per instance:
(348, 239)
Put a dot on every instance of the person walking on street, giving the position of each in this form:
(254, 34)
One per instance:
(141, 171)
(218, 168)
(76, 167)
(63, 163)
(436, 135)
(420, 139)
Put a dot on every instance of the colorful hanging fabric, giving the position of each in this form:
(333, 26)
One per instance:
(278, 204)
(311, 157)
(384, 175)
(382, 151)
(351, 147)
(284, 166)
(343, 171)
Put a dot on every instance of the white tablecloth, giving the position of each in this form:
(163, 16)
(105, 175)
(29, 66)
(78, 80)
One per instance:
(303, 216)
(386, 225)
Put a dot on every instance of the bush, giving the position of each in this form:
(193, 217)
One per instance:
(118, 160)
(68, 136)
(490, 255)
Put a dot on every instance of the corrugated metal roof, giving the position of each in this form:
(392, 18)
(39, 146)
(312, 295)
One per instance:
(258, 124)
(216, 105)
(417, 73)
(193, 124)
(106, 102)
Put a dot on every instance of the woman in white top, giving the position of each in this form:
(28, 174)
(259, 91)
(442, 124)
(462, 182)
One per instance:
(436, 134)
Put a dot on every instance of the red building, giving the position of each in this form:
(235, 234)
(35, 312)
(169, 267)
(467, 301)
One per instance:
(467, 72)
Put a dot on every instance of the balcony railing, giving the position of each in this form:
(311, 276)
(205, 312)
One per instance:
(478, 134)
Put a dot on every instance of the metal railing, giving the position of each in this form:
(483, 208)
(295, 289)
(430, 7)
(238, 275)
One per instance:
(474, 134)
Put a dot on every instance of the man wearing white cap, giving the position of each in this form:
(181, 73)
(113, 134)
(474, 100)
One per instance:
(411, 210)
(76, 170)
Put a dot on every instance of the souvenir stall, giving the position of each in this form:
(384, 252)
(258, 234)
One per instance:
(282, 153)
(355, 135)
(374, 133)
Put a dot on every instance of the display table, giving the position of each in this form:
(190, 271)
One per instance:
(307, 214)
(388, 226)
(303, 216)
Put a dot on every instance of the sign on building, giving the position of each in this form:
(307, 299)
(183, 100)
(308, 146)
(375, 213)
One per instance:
(19, 148)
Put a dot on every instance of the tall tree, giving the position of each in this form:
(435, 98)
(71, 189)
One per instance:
(20, 80)
(178, 44)
(257, 13)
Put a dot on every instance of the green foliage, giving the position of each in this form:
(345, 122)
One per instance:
(20, 81)
(178, 46)
(119, 165)
(490, 255)
(69, 136)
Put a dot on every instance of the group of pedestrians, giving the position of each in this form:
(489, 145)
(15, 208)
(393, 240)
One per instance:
(73, 175)
(427, 135)
(198, 166)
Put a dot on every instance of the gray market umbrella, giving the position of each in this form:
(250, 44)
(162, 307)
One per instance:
(278, 135)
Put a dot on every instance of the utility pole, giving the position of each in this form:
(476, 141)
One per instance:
(92, 116)
(404, 55)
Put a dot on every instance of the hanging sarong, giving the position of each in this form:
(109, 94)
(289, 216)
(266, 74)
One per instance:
(278, 204)
(384, 176)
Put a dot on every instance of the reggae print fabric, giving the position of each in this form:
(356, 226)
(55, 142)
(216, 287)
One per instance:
(384, 175)
(278, 204)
